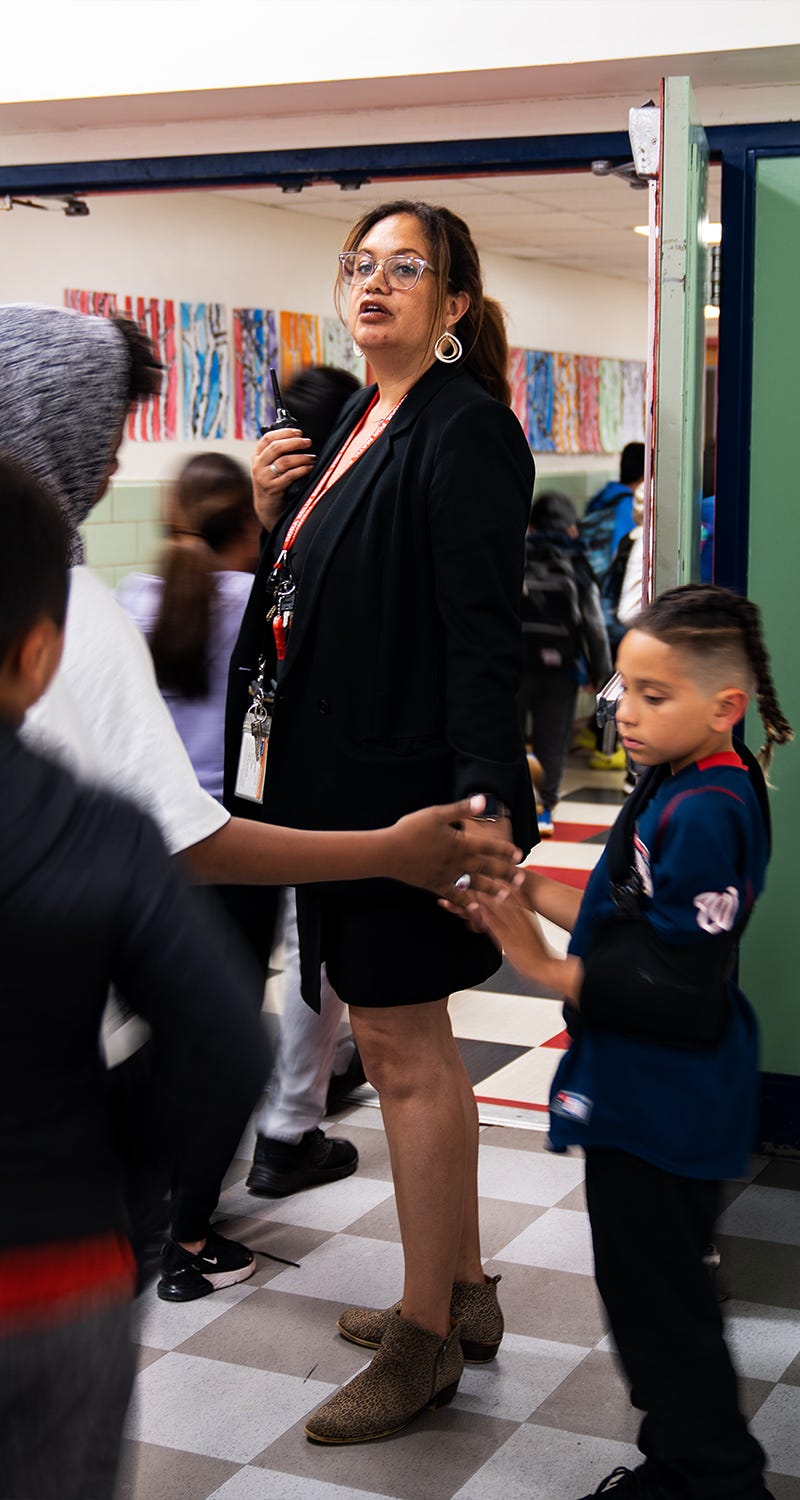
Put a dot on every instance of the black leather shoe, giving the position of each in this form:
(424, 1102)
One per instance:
(280, 1168)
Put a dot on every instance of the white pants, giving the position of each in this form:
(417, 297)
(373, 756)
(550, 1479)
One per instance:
(310, 1046)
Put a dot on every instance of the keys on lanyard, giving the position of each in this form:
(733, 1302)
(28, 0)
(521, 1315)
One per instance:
(255, 741)
(284, 591)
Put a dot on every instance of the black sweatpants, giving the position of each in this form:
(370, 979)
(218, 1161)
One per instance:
(650, 1229)
(550, 699)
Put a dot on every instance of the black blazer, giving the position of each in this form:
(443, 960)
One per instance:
(403, 662)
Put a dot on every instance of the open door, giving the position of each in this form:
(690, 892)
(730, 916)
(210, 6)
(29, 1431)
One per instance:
(670, 148)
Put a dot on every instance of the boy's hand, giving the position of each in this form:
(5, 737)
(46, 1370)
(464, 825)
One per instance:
(516, 931)
(437, 846)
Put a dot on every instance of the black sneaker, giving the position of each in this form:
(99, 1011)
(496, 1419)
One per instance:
(631, 1484)
(280, 1168)
(186, 1276)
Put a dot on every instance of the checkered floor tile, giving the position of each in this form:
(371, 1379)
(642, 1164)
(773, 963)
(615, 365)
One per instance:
(226, 1383)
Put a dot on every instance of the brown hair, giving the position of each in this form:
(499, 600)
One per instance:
(210, 506)
(724, 631)
(457, 268)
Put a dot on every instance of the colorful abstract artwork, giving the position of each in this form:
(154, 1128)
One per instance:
(255, 348)
(156, 420)
(205, 362)
(99, 304)
(632, 418)
(588, 404)
(518, 380)
(566, 425)
(610, 404)
(338, 349)
(540, 401)
(300, 343)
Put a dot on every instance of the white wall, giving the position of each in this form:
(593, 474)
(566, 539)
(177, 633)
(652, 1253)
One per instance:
(271, 42)
(209, 247)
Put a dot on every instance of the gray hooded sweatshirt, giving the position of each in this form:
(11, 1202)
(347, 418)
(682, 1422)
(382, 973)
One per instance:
(63, 400)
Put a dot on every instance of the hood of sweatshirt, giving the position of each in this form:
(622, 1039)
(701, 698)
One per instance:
(63, 400)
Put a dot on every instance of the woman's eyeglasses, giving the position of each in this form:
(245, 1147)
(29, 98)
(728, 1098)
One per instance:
(401, 272)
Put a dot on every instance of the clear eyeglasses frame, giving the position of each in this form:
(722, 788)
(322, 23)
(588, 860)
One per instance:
(401, 272)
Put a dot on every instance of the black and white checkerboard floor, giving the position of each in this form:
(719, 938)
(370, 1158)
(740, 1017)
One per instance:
(226, 1383)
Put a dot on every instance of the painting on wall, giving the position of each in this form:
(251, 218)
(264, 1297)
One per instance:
(338, 350)
(632, 417)
(255, 348)
(156, 420)
(205, 360)
(98, 304)
(300, 343)
(588, 404)
(566, 426)
(579, 403)
(518, 380)
(540, 401)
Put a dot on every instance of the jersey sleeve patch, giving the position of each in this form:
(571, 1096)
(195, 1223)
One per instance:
(717, 910)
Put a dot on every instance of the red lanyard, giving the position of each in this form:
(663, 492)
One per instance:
(284, 588)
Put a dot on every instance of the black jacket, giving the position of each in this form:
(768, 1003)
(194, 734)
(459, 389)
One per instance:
(400, 679)
(88, 896)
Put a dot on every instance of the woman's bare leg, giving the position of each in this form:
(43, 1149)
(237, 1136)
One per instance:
(410, 1057)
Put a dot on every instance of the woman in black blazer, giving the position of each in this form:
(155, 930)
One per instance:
(386, 607)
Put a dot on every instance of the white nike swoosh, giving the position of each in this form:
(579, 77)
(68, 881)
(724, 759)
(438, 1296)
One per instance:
(210, 1260)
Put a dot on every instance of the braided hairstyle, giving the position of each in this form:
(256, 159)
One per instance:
(722, 630)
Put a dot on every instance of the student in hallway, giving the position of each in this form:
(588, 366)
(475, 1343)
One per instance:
(88, 897)
(659, 1086)
(564, 637)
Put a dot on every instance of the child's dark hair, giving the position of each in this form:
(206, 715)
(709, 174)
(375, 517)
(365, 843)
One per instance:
(34, 580)
(723, 630)
(315, 396)
(145, 370)
(211, 505)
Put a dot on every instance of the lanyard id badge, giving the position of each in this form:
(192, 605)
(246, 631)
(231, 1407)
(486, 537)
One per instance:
(255, 744)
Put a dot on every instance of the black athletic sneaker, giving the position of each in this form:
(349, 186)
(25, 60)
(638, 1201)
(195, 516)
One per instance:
(280, 1168)
(186, 1276)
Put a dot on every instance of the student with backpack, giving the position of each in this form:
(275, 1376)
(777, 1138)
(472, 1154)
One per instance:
(659, 1086)
(564, 637)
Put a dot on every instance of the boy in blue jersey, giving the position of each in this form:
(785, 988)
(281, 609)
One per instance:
(659, 1086)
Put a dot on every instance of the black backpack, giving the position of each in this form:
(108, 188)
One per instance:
(552, 623)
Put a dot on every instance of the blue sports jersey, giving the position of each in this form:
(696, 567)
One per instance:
(700, 848)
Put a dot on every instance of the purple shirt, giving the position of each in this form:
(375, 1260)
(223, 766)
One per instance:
(200, 722)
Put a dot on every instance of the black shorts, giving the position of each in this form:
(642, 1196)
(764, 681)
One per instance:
(387, 944)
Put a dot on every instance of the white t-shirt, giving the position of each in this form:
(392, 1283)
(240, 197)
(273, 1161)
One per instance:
(630, 596)
(104, 718)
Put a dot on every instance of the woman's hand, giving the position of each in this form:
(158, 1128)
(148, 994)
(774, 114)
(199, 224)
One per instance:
(435, 847)
(279, 459)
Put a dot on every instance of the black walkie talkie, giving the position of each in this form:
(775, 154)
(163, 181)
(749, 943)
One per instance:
(283, 418)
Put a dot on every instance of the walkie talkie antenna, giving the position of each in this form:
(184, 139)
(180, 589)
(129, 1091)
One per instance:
(280, 409)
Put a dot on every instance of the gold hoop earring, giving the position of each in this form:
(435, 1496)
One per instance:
(356, 350)
(448, 348)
